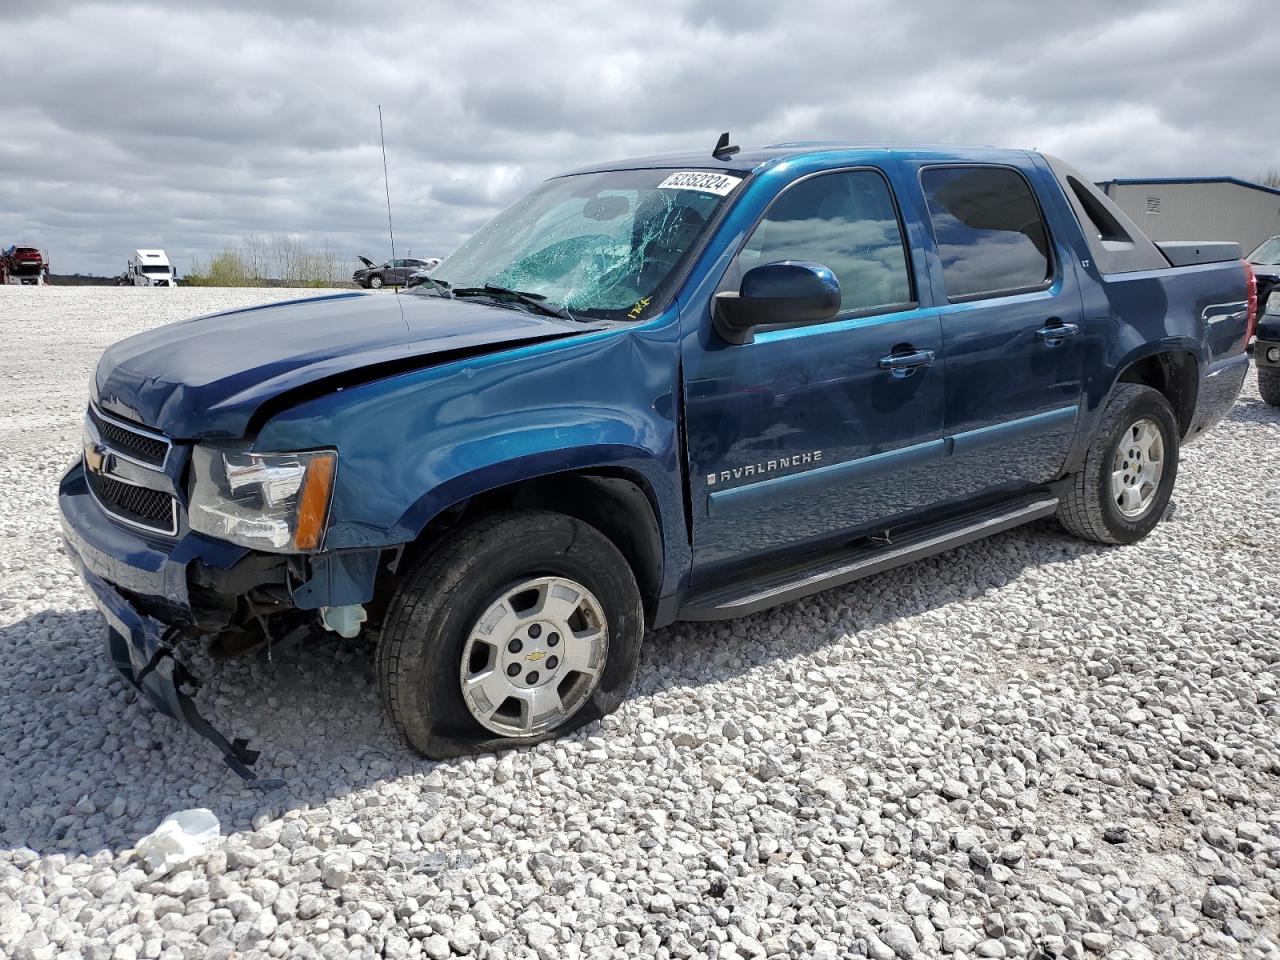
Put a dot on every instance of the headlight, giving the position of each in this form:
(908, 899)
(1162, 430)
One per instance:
(277, 502)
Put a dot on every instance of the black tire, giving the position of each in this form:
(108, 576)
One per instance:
(1269, 386)
(1088, 509)
(438, 601)
(375, 281)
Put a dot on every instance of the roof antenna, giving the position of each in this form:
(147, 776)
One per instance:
(386, 181)
(723, 151)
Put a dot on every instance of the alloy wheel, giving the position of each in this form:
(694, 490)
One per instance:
(1137, 468)
(534, 656)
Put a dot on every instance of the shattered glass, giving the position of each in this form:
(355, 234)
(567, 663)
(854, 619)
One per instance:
(604, 245)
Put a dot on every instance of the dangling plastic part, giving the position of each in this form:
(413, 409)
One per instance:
(344, 621)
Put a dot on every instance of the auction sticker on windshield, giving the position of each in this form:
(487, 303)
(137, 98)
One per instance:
(717, 183)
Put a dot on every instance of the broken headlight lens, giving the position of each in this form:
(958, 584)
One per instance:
(278, 502)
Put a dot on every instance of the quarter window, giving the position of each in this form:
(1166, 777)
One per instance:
(846, 221)
(990, 233)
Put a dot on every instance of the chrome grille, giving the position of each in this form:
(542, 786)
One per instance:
(131, 442)
(124, 466)
(140, 506)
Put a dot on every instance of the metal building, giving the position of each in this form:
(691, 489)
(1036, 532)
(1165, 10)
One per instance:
(1200, 208)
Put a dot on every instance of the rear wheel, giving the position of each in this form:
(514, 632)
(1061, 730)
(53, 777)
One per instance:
(518, 628)
(1123, 489)
(1269, 386)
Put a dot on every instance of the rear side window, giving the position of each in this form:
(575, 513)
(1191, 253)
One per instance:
(847, 221)
(990, 234)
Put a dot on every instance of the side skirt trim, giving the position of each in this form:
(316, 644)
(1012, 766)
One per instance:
(861, 559)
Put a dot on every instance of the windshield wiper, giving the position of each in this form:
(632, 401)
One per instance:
(534, 300)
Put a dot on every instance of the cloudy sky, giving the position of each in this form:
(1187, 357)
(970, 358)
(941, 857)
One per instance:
(190, 126)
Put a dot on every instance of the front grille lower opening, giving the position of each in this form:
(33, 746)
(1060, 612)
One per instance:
(141, 505)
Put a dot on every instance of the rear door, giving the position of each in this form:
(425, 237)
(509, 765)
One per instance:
(810, 433)
(1010, 307)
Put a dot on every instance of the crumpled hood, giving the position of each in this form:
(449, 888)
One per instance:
(205, 378)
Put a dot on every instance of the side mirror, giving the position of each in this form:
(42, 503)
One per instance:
(777, 294)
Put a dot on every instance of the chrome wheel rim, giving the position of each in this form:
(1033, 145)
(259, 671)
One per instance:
(534, 656)
(1137, 468)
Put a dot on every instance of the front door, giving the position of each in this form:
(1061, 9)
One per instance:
(1011, 327)
(818, 431)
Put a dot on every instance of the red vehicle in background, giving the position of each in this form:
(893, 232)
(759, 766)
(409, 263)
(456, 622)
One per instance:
(23, 265)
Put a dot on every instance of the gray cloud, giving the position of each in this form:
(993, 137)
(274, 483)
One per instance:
(154, 124)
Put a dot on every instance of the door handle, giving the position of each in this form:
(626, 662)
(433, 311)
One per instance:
(1055, 331)
(904, 364)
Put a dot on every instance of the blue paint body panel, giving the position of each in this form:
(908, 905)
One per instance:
(205, 378)
(747, 453)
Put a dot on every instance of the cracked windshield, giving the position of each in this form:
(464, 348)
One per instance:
(600, 245)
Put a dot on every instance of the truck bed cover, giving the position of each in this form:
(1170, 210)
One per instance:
(1187, 253)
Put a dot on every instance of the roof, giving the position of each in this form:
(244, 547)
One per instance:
(1153, 181)
(749, 159)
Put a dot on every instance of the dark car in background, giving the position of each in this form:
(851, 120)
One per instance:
(1265, 261)
(392, 273)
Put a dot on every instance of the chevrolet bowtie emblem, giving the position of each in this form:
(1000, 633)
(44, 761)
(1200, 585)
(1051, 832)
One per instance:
(95, 457)
(535, 656)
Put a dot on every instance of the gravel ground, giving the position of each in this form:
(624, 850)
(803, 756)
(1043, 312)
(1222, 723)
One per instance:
(1028, 747)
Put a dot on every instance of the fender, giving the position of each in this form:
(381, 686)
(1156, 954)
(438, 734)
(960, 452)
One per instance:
(1099, 387)
(1146, 351)
(664, 498)
(415, 444)
(1119, 317)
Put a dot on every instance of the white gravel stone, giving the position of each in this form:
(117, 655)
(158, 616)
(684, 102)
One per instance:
(1029, 746)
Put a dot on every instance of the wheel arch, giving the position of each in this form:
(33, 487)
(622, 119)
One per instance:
(618, 500)
(1171, 368)
(1173, 372)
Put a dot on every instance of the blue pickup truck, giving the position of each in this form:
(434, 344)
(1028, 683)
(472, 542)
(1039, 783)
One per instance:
(682, 387)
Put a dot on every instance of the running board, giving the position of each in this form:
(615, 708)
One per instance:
(821, 572)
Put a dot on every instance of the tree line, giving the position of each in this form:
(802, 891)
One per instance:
(278, 260)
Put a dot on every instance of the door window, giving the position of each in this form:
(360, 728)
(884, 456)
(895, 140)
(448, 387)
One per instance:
(846, 221)
(991, 236)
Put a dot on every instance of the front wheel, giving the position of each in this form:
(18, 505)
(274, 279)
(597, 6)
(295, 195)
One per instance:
(1269, 386)
(1124, 486)
(517, 628)
(375, 281)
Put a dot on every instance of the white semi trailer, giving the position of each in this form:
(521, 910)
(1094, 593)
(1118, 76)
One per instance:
(148, 268)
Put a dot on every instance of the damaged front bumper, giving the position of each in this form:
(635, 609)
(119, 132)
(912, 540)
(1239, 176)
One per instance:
(141, 648)
(132, 578)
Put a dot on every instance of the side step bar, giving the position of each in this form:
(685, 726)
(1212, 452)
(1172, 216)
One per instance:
(821, 572)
